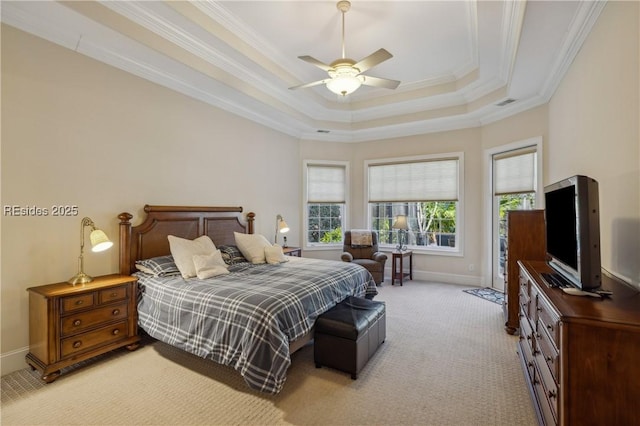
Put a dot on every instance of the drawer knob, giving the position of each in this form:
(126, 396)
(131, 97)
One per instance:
(77, 344)
(552, 394)
(79, 302)
(114, 294)
(77, 322)
(549, 359)
(550, 327)
(115, 332)
(116, 311)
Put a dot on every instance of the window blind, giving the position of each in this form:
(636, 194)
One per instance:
(515, 172)
(326, 184)
(433, 180)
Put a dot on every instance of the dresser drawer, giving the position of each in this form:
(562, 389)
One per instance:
(78, 322)
(548, 320)
(112, 294)
(548, 405)
(525, 303)
(549, 386)
(73, 303)
(548, 351)
(526, 332)
(527, 357)
(86, 341)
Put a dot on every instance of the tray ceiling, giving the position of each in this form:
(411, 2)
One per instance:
(460, 63)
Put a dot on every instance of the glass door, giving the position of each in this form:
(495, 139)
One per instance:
(514, 183)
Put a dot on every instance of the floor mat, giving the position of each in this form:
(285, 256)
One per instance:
(487, 293)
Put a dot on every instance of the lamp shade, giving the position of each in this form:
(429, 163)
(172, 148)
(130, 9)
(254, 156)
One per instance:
(283, 227)
(400, 222)
(99, 241)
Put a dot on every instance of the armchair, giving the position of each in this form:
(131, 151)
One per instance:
(367, 256)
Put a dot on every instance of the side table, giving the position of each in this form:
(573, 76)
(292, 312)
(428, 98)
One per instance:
(397, 265)
(292, 251)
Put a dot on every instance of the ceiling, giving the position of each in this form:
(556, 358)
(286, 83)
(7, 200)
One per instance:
(458, 61)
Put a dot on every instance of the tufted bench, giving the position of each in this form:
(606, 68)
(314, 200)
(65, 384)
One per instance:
(347, 335)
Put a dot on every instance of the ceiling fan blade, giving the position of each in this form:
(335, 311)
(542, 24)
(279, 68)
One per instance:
(317, 63)
(379, 82)
(372, 60)
(315, 83)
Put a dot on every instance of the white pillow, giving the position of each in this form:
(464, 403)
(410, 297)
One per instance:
(209, 265)
(183, 251)
(274, 254)
(252, 246)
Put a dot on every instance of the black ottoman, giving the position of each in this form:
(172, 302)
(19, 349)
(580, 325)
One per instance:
(347, 335)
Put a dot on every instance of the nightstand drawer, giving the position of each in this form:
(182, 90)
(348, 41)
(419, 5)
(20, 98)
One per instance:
(75, 323)
(99, 337)
(113, 294)
(73, 303)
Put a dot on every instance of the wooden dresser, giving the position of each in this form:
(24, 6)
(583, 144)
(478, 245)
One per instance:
(69, 324)
(580, 354)
(525, 241)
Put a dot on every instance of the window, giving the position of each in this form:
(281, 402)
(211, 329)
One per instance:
(514, 188)
(326, 192)
(425, 189)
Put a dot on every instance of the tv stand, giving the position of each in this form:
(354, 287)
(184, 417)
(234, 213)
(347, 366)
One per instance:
(579, 354)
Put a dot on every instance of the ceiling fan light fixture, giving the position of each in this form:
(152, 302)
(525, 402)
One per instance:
(345, 74)
(344, 80)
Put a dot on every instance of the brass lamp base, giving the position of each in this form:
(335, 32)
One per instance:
(80, 278)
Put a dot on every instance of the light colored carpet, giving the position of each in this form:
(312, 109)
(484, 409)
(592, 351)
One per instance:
(446, 361)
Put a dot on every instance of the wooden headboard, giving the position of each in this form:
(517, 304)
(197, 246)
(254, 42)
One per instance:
(149, 239)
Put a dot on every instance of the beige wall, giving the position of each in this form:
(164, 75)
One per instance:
(76, 131)
(594, 121)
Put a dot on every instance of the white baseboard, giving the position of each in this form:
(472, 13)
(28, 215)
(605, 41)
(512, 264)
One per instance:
(13, 361)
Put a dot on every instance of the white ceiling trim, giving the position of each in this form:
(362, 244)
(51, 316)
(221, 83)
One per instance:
(580, 28)
(513, 19)
(469, 102)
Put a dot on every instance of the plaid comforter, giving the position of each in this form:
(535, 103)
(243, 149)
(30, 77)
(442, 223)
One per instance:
(247, 318)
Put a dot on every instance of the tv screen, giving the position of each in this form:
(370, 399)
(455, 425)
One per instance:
(562, 239)
(573, 230)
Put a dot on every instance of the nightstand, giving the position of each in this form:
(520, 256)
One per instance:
(69, 324)
(292, 251)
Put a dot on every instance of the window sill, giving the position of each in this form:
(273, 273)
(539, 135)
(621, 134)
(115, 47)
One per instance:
(454, 252)
(323, 247)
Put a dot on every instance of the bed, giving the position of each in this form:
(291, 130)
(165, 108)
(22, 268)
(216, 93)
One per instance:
(252, 318)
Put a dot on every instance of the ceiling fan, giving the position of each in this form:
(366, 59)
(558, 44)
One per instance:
(345, 75)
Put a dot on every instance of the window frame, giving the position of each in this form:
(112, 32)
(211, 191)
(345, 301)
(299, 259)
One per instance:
(305, 203)
(457, 251)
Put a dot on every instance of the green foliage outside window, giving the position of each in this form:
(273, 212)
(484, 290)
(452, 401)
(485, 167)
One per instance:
(431, 223)
(324, 223)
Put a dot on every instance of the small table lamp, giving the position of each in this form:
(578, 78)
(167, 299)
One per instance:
(99, 242)
(281, 227)
(402, 226)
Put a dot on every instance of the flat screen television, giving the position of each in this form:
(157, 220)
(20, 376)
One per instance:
(573, 230)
